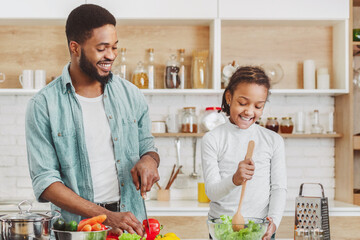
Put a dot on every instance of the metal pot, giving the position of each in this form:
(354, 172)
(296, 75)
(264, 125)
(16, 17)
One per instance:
(26, 225)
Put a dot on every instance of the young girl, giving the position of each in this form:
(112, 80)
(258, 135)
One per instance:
(224, 149)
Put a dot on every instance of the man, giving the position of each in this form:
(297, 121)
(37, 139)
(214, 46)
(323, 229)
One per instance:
(88, 132)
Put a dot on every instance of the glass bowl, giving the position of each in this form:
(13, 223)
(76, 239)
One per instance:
(69, 235)
(251, 231)
(274, 71)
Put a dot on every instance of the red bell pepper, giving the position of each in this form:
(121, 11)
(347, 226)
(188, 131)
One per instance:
(154, 226)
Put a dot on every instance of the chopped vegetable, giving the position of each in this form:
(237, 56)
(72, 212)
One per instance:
(155, 228)
(129, 236)
(225, 231)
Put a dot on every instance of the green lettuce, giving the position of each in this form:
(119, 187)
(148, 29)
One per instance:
(129, 236)
(224, 231)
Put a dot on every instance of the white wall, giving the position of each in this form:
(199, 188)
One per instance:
(308, 160)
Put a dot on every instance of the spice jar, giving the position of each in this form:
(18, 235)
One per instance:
(172, 79)
(272, 124)
(140, 77)
(286, 125)
(189, 120)
(212, 118)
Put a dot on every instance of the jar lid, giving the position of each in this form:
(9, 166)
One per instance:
(272, 118)
(25, 215)
(189, 107)
(286, 118)
(212, 108)
(182, 50)
(151, 50)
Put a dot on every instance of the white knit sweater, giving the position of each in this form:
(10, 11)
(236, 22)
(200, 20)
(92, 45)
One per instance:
(222, 150)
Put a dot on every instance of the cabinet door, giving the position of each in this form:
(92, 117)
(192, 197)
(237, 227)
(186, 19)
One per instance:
(160, 9)
(284, 9)
(38, 9)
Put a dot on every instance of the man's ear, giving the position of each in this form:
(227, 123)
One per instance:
(75, 48)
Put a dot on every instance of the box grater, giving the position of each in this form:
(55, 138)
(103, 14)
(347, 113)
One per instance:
(312, 213)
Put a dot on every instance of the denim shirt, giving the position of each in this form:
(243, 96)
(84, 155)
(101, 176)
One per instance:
(56, 146)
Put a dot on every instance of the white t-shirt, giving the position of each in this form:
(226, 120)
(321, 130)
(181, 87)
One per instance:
(222, 150)
(100, 149)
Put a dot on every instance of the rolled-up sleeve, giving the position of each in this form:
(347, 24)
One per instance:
(42, 158)
(146, 140)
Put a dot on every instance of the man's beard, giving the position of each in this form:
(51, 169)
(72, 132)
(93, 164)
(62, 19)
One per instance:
(90, 70)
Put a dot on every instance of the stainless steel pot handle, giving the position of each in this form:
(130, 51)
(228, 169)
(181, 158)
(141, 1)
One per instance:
(24, 202)
(56, 215)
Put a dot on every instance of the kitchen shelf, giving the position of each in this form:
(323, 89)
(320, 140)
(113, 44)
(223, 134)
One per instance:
(284, 135)
(356, 142)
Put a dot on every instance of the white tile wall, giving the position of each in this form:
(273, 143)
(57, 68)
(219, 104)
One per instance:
(308, 160)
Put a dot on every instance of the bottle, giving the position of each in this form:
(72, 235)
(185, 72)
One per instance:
(316, 127)
(182, 72)
(172, 79)
(189, 120)
(121, 69)
(140, 77)
(199, 69)
(151, 69)
(286, 125)
(272, 124)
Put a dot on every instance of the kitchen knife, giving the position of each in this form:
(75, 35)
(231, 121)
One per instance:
(147, 220)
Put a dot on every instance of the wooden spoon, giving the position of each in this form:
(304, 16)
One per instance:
(238, 221)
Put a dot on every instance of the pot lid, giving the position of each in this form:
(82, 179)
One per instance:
(25, 214)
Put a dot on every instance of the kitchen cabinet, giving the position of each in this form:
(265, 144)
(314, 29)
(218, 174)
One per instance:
(284, 9)
(160, 9)
(37, 9)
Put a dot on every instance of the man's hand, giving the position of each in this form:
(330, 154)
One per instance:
(244, 172)
(270, 230)
(145, 173)
(124, 221)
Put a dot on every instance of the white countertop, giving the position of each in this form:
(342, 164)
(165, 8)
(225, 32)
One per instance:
(193, 208)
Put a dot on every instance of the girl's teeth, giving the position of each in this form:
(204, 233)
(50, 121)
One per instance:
(246, 119)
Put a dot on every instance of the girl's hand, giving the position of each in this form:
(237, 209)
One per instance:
(244, 172)
(270, 230)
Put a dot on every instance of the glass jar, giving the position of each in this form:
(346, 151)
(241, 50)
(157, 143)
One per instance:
(286, 125)
(260, 122)
(189, 120)
(172, 79)
(272, 124)
(212, 118)
(199, 69)
(140, 77)
(121, 69)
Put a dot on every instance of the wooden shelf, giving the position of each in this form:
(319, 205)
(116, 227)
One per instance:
(289, 135)
(356, 142)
